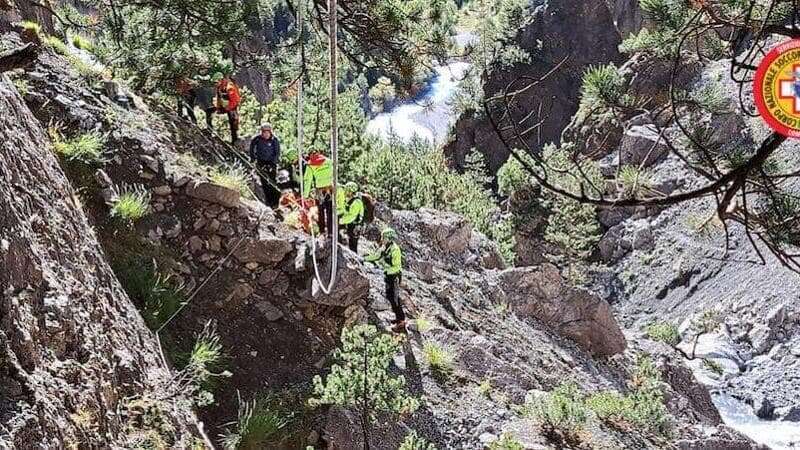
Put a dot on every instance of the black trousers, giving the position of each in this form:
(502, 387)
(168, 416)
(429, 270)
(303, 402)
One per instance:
(393, 295)
(325, 214)
(210, 118)
(186, 104)
(267, 172)
(352, 237)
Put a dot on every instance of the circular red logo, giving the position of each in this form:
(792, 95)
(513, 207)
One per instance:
(776, 88)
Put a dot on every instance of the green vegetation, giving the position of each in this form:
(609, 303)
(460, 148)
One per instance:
(635, 182)
(131, 204)
(21, 85)
(157, 297)
(415, 175)
(413, 441)
(31, 26)
(439, 359)
(603, 86)
(203, 367)
(713, 366)
(571, 225)
(382, 94)
(86, 148)
(485, 388)
(506, 442)
(423, 324)
(233, 177)
(360, 378)
(666, 332)
(260, 424)
(81, 42)
(562, 409)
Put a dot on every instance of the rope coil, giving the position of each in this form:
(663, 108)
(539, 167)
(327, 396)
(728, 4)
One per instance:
(327, 288)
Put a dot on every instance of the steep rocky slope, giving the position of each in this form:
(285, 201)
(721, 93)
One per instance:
(521, 331)
(78, 367)
(575, 33)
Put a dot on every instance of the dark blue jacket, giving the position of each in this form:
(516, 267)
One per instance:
(265, 150)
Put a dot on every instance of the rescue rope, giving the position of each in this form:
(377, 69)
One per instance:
(327, 288)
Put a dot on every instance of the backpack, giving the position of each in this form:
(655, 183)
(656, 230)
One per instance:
(369, 207)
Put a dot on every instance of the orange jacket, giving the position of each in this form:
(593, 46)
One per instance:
(228, 96)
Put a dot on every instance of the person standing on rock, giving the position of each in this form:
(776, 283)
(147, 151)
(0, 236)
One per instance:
(390, 257)
(352, 216)
(318, 175)
(265, 152)
(228, 99)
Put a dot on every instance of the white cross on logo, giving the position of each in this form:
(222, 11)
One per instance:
(787, 90)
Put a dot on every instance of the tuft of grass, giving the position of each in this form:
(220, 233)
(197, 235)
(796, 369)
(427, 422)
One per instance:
(506, 442)
(485, 388)
(423, 324)
(635, 182)
(86, 148)
(81, 42)
(132, 204)
(232, 177)
(260, 423)
(22, 86)
(665, 332)
(439, 359)
(56, 45)
(32, 26)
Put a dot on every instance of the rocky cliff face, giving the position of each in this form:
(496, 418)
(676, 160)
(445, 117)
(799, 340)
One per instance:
(521, 331)
(78, 367)
(578, 32)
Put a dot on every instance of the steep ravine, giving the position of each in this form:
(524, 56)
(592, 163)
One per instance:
(522, 331)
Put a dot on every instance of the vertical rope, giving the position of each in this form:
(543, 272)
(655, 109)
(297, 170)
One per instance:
(327, 288)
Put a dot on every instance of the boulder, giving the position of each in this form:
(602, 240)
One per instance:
(642, 145)
(542, 293)
(267, 250)
(763, 407)
(352, 282)
(213, 193)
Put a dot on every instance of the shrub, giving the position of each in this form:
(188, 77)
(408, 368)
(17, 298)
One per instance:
(156, 295)
(603, 86)
(665, 332)
(259, 423)
(349, 382)
(131, 204)
(572, 226)
(203, 366)
(413, 441)
(634, 182)
(439, 359)
(562, 409)
(506, 442)
(86, 148)
(232, 177)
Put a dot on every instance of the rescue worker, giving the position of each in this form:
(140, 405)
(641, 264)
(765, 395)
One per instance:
(352, 216)
(265, 152)
(205, 96)
(318, 175)
(390, 258)
(228, 99)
